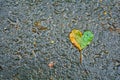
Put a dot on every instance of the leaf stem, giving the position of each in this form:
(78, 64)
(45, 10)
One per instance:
(80, 56)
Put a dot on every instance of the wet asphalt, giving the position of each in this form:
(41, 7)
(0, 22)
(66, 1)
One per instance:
(34, 42)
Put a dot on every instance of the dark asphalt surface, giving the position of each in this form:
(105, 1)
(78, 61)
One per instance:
(34, 33)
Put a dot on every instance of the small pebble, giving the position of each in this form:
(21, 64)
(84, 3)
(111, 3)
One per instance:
(100, 0)
(51, 64)
(118, 70)
(104, 12)
(37, 23)
(1, 68)
(52, 42)
(34, 43)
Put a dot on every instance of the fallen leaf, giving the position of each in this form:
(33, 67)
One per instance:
(80, 40)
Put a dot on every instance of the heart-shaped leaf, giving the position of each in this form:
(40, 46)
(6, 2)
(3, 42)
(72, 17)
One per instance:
(79, 40)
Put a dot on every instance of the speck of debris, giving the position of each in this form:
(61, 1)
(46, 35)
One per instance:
(1, 68)
(34, 30)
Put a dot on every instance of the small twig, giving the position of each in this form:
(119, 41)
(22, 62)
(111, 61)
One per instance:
(11, 22)
(16, 24)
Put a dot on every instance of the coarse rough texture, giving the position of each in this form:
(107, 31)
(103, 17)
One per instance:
(26, 51)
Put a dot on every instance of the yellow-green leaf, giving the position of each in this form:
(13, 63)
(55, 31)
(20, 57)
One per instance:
(81, 40)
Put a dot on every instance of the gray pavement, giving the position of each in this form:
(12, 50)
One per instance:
(34, 33)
